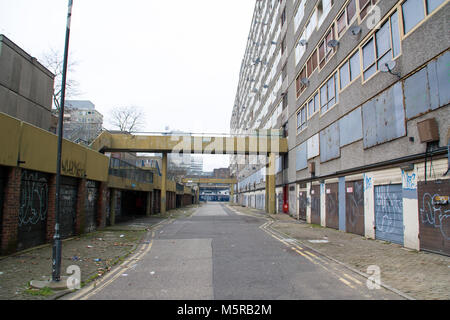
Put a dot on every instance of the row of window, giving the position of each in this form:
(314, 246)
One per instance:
(381, 47)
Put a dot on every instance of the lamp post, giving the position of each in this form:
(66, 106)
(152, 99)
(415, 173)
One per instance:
(56, 262)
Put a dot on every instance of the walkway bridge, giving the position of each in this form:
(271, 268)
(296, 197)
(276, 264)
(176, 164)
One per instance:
(260, 142)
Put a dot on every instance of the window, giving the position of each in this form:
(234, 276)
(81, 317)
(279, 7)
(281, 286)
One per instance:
(283, 17)
(346, 18)
(355, 68)
(325, 51)
(364, 6)
(301, 120)
(328, 94)
(312, 63)
(313, 105)
(298, 83)
(344, 75)
(382, 47)
(283, 45)
(433, 4)
(299, 15)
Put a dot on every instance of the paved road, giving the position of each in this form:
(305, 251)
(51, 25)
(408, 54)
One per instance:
(218, 254)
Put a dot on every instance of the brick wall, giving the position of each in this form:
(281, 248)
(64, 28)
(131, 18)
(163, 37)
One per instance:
(11, 205)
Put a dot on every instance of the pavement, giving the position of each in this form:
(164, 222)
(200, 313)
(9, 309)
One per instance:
(94, 253)
(218, 253)
(415, 274)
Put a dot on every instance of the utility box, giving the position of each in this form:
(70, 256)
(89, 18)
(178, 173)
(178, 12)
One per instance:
(428, 130)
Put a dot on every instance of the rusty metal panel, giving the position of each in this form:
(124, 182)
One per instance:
(417, 94)
(434, 218)
(68, 201)
(33, 209)
(384, 117)
(354, 207)
(329, 143)
(315, 204)
(301, 161)
(332, 205)
(303, 203)
(389, 213)
(91, 206)
(350, 127)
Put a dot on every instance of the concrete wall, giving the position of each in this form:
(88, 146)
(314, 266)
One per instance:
(26, 87)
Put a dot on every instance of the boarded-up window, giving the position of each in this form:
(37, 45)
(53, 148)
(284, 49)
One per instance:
(301, 157)
(429, 88)
(350, 127)
(384, 117)
(313, 146)
(329, 143)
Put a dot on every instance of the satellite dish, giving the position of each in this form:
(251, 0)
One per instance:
(388, 66)
(304, 81)
(303, 42)
(333, 43)
(355, 30)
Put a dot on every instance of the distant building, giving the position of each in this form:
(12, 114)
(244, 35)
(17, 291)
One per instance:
(82, 123)
(26, 86)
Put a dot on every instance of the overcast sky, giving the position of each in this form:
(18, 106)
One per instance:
(179, 60)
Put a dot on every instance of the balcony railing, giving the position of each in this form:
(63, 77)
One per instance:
(120, 168)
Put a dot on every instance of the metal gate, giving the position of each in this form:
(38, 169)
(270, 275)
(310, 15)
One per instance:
(389, 213)
(303, 202)
(68, 202)
(33, 209)
(354, 207)
(434, 216)
(315, 204)
(91, 206)
(332, 205)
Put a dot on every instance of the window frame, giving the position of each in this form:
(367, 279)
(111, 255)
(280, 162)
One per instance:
(328, 52)
(299, 87)
(427, 16)
(335, 77)
(372, 37)
(344, 12)
(304, 121)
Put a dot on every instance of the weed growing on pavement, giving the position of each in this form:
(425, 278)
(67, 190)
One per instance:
(44, 292)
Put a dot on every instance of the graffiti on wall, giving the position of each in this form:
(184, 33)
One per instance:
(434, 215)
(33, 199)
(409, 180)
(73, 168)
(389, 206)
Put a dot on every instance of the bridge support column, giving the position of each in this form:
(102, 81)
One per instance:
(163, 182)
(270, 185)
(148, 209)
(232, 193)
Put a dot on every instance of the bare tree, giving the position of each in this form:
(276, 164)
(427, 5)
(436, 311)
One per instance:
(53, 60)
(128, 119)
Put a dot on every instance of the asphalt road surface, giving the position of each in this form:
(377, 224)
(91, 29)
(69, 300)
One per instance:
(221, 255)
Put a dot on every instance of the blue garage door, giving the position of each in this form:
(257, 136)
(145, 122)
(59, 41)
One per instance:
(389, 213)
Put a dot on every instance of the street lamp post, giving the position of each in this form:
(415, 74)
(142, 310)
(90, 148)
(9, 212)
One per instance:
(56, 264)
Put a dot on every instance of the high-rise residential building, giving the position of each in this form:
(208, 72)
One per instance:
(26, 86)
(361, 90)
(82, 123)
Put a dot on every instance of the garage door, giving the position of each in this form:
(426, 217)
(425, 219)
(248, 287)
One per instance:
(354, 207)
(33, 209)
(434, 216)
(68, 201)
(303, 202)
(91, 206)
(332, 205)
(315, 204)
(389, 213)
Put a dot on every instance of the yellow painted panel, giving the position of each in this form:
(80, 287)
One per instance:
(97, 166)
(9, 139)
(126, 184)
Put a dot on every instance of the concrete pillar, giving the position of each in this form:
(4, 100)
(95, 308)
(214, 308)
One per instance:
(148, 209)
(232, 193)
(270, 185)
(112, 207)
(163, 182)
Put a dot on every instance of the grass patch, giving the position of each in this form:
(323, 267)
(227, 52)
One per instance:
(44, 292)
